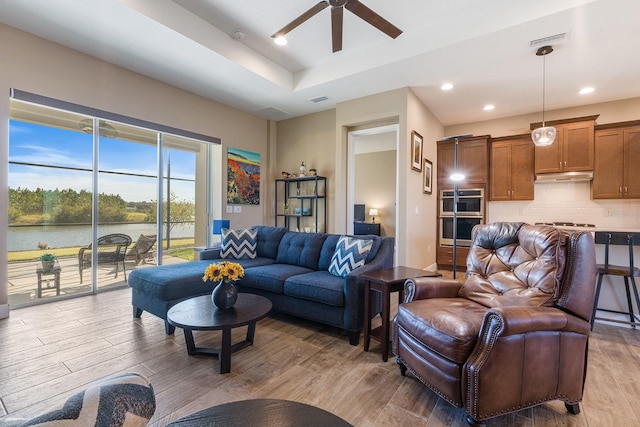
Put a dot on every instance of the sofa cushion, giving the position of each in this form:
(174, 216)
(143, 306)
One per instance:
(319, 286)
(301, 249)
(119, 400)
(350, 253)
(238, 244)
(269, 240)
(271, 277)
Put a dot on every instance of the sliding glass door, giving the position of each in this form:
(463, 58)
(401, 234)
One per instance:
(89, 198)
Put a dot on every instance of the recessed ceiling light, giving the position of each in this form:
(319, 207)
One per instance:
(280, 41)
(489, 107)
(446, 86)
(586, 90)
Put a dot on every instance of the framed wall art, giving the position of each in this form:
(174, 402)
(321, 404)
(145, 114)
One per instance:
(427, 177)
(416, 151)
(243, 177)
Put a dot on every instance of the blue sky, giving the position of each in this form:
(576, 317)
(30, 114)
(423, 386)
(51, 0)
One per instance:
(32, 143)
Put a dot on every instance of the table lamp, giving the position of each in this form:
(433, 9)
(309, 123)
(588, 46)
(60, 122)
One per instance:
(373, 213)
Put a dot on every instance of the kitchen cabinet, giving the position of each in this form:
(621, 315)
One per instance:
(573, 149)
(473, 156)
(616, 173)
(511, 168)
(444, 258)
(301, 203)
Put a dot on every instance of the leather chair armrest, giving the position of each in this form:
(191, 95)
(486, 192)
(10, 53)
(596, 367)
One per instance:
(519, 320)
(430, 287)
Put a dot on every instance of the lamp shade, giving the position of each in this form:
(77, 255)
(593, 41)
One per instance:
(219, 224)
(373, 212)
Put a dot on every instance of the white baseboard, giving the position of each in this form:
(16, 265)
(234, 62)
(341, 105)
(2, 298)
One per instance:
(4, 311)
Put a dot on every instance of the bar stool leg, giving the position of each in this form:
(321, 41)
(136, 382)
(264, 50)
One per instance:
(635, 291)
(595, 303)
(631, 314)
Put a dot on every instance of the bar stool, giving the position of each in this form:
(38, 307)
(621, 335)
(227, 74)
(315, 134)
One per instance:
(627, 272)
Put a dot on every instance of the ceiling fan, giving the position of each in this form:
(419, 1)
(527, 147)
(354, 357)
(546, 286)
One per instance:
(337, 6)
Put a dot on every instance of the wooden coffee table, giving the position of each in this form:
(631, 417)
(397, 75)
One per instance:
(199, 314)
(264, 413)
(386, 281)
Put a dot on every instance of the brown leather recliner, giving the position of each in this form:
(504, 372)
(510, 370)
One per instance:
(515, 334)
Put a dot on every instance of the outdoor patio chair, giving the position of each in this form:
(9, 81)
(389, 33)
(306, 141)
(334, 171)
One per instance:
(111, 250)
(142, 249)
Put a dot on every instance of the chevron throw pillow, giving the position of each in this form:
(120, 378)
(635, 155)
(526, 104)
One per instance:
(350, 254)
(125, 400)
(237, 244)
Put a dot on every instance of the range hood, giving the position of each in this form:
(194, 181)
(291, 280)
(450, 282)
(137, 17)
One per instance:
(564, 177)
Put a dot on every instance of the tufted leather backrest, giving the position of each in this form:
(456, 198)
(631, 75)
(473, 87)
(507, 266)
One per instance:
(515, 264)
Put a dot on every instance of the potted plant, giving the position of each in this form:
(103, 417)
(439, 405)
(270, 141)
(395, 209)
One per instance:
(48, 261)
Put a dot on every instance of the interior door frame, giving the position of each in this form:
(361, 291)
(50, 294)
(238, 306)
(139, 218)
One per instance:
(351, 167)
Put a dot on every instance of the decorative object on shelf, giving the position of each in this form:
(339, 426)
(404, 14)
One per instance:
(286, 174)
(48, 261)
(416, 151)
(303, 169)
(243, 177)
(312, 172)
(286, 208)
(373, 212)
(544, 135)
(427, 177)
(224, 295)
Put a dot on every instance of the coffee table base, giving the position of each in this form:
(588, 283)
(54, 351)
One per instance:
(223, 354)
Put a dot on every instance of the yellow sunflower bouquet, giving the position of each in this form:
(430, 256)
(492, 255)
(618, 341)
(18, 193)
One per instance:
(225, 270)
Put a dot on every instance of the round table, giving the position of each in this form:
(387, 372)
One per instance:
(264, 413)
(199, 314)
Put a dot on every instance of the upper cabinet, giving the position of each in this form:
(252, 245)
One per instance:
(511, 168)
(473, 156)
(573, 149)
(616, 173)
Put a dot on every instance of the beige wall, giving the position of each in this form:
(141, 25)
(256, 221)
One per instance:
(309, 139)
(375, 187)
(35, 65)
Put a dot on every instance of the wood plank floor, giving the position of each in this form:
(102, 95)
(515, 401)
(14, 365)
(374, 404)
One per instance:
(51, 351)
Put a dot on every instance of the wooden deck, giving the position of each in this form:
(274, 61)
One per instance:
(23, 279)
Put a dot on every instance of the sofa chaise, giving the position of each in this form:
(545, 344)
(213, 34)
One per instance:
(289, 268)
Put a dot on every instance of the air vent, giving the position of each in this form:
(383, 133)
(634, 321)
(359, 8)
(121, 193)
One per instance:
(319, 99)
(550, 40)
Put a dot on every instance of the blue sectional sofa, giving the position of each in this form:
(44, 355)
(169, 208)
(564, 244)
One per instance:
(291, 269)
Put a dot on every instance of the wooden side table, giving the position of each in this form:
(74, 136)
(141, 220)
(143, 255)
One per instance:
(386, 281)
(56, 279)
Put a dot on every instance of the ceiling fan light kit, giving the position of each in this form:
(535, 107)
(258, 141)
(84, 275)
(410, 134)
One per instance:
(337, 8)
(544, 135)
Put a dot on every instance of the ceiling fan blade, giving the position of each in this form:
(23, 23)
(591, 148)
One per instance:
(336, 28)
(373, 18)
(300, 19)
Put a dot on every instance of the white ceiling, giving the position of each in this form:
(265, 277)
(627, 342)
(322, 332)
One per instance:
(482, 47)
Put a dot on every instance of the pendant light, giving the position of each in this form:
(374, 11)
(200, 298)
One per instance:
(544, 135)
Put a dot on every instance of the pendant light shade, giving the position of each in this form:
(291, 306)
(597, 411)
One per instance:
(544, 135)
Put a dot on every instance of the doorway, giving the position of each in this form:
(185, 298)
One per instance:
(373, 166)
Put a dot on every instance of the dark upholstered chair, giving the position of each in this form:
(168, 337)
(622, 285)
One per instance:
(515, 333)
(111, 250)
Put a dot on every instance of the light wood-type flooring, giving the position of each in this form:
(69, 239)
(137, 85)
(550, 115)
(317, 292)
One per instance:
(50, 351)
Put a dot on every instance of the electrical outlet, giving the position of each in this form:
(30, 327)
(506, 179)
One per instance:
(237, 209)
(229, 209)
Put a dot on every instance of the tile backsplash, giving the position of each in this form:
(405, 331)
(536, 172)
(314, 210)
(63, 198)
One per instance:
(570, 202)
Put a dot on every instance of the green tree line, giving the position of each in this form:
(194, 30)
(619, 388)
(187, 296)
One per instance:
(69, 206)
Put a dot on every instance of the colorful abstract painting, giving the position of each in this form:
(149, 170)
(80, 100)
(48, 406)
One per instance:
(243, 177)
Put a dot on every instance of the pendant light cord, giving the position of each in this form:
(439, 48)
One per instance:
(544, 73)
